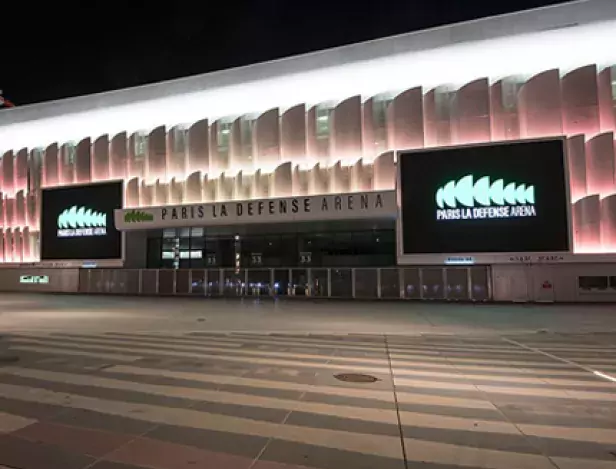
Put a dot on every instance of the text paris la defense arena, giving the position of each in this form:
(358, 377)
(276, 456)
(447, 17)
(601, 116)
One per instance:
(470, 162)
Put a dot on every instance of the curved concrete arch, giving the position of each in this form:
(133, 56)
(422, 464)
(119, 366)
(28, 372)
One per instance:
(384, 169)
(26, 245)
(8, 244)
(368, 131)
(208, 194)
(177, 152)
(339, 179)
(146, 194)
(600, 165)
(576, 152)
(118, 156)
(20, 209)
(67, 163)
(238, 159)
(301, 181)
(437, 116)
(224, 188)
(318, 149)
(83, 157)
(580, 100)
(51, 168)
(318, 182)
(267, 140)
(136, 155)
(361, 177)
(18, 245)
(293, 134)
(346, 144)
(282, 180)
(505, 120)
(608, 223)
(405, 120)
(607, 100)
(156, 155)
(220, 155)
(131, 193)
(9, 212)
(194, 188)
(20, 180)
(8, 174)
(262, 184)
(587, 225)
(243, 186)
(470, 113)
(32, 215)
(198, 147)
(35, 170)
(161, 192)
(176, 191)
(540, 106)
(101, 163)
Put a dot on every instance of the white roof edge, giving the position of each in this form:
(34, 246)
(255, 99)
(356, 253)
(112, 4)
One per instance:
(570, 14)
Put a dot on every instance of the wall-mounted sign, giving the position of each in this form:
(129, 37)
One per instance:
(460, 260)
(498, 198)
(77, 222)
(380, 204)
(36, 279)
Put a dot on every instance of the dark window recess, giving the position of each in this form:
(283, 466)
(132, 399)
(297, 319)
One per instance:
(371, 248)
(612, 280)
(593, 282)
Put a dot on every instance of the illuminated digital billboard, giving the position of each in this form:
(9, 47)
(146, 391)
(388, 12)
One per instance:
(508, 197)
(77, 222)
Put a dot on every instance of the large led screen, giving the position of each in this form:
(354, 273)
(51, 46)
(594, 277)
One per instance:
(496, 198)
(77, 222)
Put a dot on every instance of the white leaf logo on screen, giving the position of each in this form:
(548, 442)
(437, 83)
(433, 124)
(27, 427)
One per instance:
(78, 221)
(81, 217)
(468, 193)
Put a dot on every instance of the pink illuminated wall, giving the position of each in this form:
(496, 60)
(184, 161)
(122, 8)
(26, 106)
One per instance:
(342, 146)
(540, 106)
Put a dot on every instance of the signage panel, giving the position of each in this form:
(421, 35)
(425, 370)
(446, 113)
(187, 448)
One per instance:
(290, 209)
(484, 201)
(77, 222)
(36, 279)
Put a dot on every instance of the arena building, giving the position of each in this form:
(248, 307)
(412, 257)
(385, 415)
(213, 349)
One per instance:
(474, 161)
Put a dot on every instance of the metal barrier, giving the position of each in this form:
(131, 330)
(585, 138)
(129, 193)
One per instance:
(419, 283)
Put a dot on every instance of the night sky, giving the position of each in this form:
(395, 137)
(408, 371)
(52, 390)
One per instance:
(96, 46)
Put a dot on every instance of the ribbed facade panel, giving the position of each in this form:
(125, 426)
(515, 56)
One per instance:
(341, 146)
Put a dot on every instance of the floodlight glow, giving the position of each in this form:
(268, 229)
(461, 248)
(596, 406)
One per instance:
(524, 54)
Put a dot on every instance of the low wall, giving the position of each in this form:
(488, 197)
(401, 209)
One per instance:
(36, 279)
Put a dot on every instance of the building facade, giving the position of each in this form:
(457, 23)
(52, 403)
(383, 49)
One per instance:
(326, 124)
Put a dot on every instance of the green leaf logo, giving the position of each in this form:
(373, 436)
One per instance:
(138, 216)
(470, 193)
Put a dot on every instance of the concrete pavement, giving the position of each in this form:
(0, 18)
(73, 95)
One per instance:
(118, 383)
(108, 313)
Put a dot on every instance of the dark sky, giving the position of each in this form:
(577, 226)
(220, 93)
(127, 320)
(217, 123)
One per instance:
(94, 46)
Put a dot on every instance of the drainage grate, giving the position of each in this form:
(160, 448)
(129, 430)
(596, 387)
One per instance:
(356, 378)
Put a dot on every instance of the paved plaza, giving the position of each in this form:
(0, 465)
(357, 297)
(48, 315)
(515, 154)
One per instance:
(121, 383)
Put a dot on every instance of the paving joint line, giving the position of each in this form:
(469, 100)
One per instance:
(552, 356)
(504, 416)
(393, 384)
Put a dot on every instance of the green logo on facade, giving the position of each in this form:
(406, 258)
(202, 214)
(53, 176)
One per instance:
(138, 216)
(466, 192)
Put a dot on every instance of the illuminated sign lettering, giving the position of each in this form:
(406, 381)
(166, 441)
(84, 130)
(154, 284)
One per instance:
(81, 221)
(470, 199)
(44, 279)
